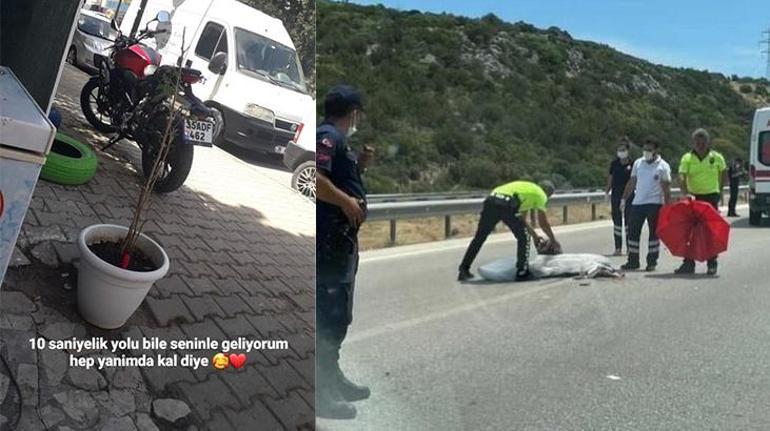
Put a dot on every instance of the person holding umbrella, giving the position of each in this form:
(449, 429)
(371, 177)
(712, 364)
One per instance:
(650, 184)
(702, 174)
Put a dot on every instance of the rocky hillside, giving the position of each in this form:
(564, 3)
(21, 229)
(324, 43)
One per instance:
(458, 103)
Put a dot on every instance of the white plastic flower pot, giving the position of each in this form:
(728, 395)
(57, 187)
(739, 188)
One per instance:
(108, 295)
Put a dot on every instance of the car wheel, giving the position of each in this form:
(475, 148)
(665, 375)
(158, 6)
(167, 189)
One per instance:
(72, 56)
(303, 179)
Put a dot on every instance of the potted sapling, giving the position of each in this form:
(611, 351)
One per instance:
(120, 264)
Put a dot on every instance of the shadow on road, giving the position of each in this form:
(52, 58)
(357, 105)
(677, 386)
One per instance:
(481, 282)
(672, 276)
(743, 223)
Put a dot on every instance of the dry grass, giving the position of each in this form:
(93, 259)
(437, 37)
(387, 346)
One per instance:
(376, 235)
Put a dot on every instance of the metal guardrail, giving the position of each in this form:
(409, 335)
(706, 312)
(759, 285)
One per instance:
(435, 196)
(400, 208)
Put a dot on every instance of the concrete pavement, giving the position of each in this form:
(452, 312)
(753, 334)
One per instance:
(240, 244)
(651, 351)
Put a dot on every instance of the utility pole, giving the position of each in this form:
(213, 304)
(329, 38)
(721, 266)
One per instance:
(765, 42)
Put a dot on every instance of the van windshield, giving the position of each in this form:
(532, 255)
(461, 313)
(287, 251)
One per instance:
(269, 59)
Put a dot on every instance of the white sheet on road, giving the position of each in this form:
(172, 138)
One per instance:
(560, 265)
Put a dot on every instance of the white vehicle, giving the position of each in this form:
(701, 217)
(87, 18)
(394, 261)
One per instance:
(759, 168)
(252, 73)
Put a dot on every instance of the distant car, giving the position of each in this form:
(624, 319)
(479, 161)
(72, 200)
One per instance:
(301, 160)
(93, 36)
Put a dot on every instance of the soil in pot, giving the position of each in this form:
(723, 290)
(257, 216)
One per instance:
(110, 252)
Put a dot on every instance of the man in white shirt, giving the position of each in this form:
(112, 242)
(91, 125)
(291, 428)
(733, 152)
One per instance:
(651, 185)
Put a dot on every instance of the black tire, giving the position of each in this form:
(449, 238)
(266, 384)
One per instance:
(87, 102)
(72, 56)
(303, 179)
(178, 165)
(70, 162)
(755, 218)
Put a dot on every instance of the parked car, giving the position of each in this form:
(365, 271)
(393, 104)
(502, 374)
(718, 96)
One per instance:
(93, 36)
(253, 76)
(300, 158)
(759, 167)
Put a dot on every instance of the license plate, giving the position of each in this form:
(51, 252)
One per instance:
(279, 149)
(198, 131)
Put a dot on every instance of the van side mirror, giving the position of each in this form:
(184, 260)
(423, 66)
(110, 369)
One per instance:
(218, 63)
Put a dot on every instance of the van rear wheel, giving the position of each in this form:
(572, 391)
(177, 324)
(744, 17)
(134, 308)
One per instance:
(755, 218)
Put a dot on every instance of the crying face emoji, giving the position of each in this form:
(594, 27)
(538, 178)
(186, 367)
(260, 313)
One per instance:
(220, 361)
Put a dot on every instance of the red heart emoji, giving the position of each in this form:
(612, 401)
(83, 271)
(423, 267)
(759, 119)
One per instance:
(237, 361)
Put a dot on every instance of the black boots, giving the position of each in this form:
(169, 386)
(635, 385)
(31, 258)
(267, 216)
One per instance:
(464, 275)
(524, 275)
(687, 267)
(329, 404)
(349, 390)
(712, 267)
(334, 393)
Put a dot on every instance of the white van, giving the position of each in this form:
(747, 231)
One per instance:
(252, 71)
(759, 168)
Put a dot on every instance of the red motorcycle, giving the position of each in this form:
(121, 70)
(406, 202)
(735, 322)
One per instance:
(131, 95)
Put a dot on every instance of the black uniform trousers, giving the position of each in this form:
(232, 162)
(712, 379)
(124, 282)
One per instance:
(336, 268)
(618, 217)
(640, 214)
(713, 199)
(733, 197)
(498, 209)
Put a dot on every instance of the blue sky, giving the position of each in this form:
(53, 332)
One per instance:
(717, 35)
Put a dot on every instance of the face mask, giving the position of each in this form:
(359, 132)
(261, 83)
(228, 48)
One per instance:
(622, 154)
(648, 155)
(353, 129)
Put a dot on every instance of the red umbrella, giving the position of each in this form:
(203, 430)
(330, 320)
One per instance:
(693, 230)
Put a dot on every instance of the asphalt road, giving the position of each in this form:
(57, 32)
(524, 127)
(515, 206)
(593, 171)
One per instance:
(647, 352)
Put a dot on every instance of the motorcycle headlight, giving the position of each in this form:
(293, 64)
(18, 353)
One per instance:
(150, 69)
(259, 112)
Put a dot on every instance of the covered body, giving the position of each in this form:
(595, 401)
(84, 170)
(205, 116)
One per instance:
(559, 265)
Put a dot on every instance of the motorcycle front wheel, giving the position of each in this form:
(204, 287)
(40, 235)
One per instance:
(95, 106)
(175, 168)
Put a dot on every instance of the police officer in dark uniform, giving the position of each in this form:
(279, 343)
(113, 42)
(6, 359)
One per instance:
(619, 174)
(735, 173)
(340, 210)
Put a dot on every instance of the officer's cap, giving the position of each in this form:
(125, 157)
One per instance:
(341, 99)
